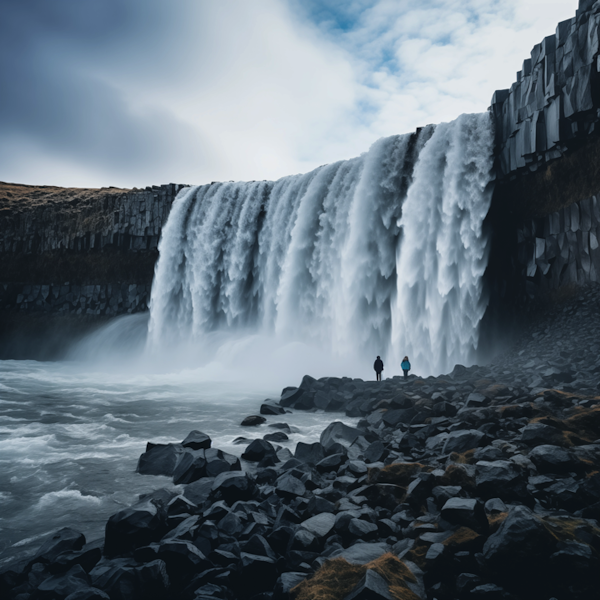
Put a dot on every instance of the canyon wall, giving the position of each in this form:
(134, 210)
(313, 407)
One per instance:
(70, 258)
(544, 217)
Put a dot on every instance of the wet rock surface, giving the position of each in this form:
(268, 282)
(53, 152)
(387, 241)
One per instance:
(482, 483)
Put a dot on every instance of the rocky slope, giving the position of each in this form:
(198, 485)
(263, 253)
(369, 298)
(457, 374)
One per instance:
(480, 484)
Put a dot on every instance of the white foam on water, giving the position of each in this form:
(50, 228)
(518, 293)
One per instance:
(71, 499)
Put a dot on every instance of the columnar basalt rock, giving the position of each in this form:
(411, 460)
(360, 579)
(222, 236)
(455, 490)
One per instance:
(77, 251)
(562, 248)
(554, 102)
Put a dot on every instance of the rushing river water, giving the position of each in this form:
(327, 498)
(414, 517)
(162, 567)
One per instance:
(71, 434)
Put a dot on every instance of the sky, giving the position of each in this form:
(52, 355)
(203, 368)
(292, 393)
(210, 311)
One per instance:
(131, 93)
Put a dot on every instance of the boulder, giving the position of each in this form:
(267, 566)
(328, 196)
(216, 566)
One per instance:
(258, 450)
(500, 478)
(520, 549)
(462, 440)
(372, 586)
(87, 558)
(363, 529)
(253, 421)
(61, 586)
(288, 486)
(182, 560)
(198, 491)
(132, 527)
(190, 467)
(466, 511)
(362, 552)
(553, 459)
(218, 461)
(338, 432)
(276, 436)
(123, 579)
(286, 582)
(159, 459)
(331, 463)
(271, 408)
(309, 453)
(255, 574)
(64, 540)
(233, 486)
(535, 434)
(196, 440)
(320, 525)
(289, 396)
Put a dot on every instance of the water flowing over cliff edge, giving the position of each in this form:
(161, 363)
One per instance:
(382, 254)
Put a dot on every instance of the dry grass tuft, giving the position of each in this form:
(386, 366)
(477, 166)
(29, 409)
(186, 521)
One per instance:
(463, 538)
(337, 578)
(567, 528)
(455, 475)
(466, 458)
(496, 520)
(585, 421)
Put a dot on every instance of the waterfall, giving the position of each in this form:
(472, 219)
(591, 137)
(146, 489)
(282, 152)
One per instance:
(377, 255)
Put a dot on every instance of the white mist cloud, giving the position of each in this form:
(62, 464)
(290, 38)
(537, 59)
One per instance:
(139, 92)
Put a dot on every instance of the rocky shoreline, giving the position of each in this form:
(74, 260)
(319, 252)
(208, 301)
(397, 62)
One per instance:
(480, 484)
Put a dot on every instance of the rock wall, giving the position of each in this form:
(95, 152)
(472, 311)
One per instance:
(74, 251)
(554, 104)
(562, 248)
(99, 300)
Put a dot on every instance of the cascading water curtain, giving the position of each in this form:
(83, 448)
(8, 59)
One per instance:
(374, 255)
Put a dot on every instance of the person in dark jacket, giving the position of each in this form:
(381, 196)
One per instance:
(378, 366)
(405, 366)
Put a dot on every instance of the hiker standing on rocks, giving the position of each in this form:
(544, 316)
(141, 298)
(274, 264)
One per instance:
(405, 367)
(378, 366)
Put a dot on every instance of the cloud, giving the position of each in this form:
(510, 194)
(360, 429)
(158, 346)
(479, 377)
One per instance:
(138, 92)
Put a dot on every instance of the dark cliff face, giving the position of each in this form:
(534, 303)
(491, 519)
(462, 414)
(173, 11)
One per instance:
(70, 258)
(544, 220)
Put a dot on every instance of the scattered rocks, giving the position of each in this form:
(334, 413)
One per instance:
(495, 495)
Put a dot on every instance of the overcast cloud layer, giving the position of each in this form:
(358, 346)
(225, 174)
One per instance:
(140, 92)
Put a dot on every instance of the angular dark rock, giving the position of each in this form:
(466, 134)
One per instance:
(554, 459)
(462, 440)
(190, 467)
(520, 549)
(64, 540)
(309, 453)
(338, 432)
(196, 440)
(132, 527)
(271, 408)
(371, 587)
(253, 421)
(159, 459)
(289, 486)
(466, 511)
(320, 525)
(258, 450)
(60, 586)
(233, 486)
(182, 560)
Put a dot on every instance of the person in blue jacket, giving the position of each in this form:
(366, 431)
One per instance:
(405, 366)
